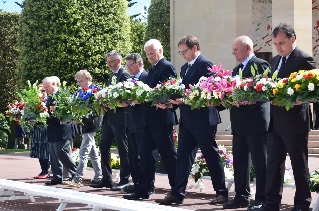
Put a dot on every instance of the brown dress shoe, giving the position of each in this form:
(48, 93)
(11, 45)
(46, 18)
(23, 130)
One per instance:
(169, 199)
(219, 199)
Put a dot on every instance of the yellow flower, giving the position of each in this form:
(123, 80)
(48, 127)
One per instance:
(293, 75)
(293, 80)
(274, 91)
(297, 86)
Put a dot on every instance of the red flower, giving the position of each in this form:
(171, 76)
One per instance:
(250, 83)
(73, 149)
(85, 88)
(259, 87)
(285, 80)
(94, 90)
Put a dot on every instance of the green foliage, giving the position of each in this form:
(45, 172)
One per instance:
(4, 131)
(159, 24)
(138, 29)
(63, 36)
(9, 32)
(314, 181)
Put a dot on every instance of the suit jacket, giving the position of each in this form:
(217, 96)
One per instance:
(161, 72)
(56, 131)
(117, 116)
(202, 117)
(251, 118)
(134, 120)
(296, 120)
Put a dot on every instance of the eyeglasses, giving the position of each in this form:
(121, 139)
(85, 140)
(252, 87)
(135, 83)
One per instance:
(183, 52)
(109, 62)
(128, 66)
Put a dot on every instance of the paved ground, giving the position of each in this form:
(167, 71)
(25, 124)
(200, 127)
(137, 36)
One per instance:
(21, 167)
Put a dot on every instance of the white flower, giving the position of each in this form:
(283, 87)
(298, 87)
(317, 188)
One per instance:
(217, 78)
(264, 88)
(298, 77)
(115, 94)
(202, 79)
(311, 87)
(128, 84)
(290, 91)
(245, 87)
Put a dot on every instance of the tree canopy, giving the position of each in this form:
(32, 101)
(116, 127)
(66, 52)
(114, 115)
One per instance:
(63, 36)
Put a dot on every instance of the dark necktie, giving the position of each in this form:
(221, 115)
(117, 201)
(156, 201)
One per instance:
(188, 67)
(241, 66)
(283, 62)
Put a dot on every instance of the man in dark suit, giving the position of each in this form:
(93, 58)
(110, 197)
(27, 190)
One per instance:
(114, 127)
(158, 125)
(288, 130)
(197, 129)
(250, 125)
(134, 121)
(59, 135)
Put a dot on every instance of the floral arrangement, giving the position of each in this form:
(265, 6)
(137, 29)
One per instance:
(314, 181)
(61, 100)
(34, 109)
(129, 91)
(300, 86)
(200, 169)
(213, 90)
(15, 110)
(82, 102)
(258, 88)
(115, 161)
(170, 89)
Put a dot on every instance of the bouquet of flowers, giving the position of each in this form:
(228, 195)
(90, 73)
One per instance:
(82, 102)
(15, 110)
(213, 90)
(170, 89)
(301, 86)
(61, 100)
(314, 181)
(200, 169)
(100, 102)
(258, 88)
(34, 109)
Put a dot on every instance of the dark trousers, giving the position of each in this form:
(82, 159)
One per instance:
(296, 145)
(134, 151)
(316, 110)
(161, 138)
(60, 157)
(44, 163)
(188, 142)
(109, 132)
(247, 147)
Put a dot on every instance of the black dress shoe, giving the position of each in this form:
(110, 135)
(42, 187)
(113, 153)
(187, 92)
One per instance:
(235, 203)
(102, 184)
(135, 196)
(54, 182)
(168, 200)
(257, 205)
(219, 199)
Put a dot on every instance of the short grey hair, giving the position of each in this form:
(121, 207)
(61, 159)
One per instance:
(155, 43)
(51, 79)
(83, 74)
(114, 53)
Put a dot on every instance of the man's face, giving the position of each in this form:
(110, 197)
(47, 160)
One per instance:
(113, 63)
(153, 56)
(283, 44)
(132, 67)
(50, 88)
(240, 51)
(187, 53)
